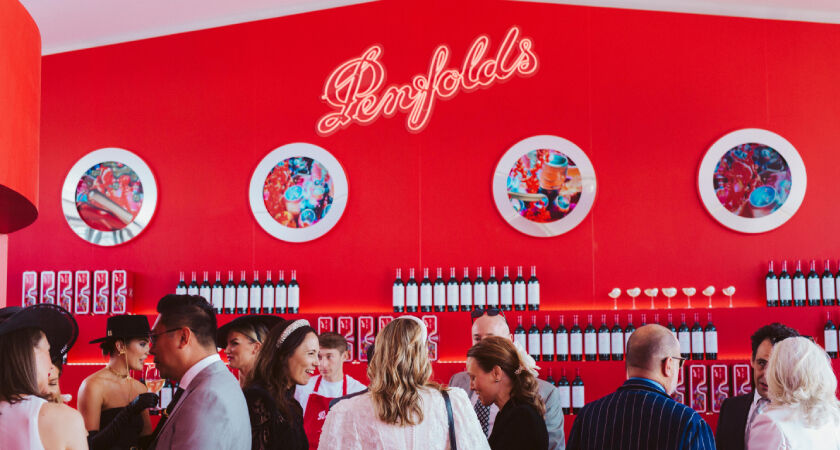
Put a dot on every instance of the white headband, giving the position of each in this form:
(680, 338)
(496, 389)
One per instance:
(300, 323)
(419, 321)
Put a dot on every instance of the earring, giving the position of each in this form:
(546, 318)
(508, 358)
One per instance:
(497, 380)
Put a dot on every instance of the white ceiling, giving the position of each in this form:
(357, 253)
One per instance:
(68, 25)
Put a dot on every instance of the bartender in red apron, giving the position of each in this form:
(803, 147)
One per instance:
(315, 396)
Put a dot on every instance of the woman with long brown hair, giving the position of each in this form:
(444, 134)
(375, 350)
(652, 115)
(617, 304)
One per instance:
(289, 357)
(404, 408)
(242, 339)
(501, 376)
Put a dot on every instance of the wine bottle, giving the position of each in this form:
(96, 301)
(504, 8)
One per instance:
(439, 292)
(192, 289)
(520, 302)
(506, 292)
(562, 341)
(466, 291)
(255, 295)
(533, 291)
(281, 295)
(590, 341)
(711, 339)
(479, 290)
(294, 294)
(603, 340)
(426, 292)
(268, 291)
(628, 330)
(398, 293)
(617, 340)
(519, 335)
(785, 287)
(493, 290)
(578, 398)
(837, 284)
(830, 335)
(205, 290)
(671, 327)
(684, 336)
(799, 289)
(412, 296)
(534, 339)
(452, 289)
(565, 392)
(828, 287)
(813, 285)
(550, 378)
(548, 340)
(181, 289)
(644, 320)
(230, 294)
(241, 295)
(576, 341)
(218, 294)
(696, 339)
(771, 287)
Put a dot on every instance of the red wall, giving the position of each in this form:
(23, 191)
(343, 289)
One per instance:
(644, 94)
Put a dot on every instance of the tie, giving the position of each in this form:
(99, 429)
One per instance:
(759, 407)
(483, 413)
(175, 397)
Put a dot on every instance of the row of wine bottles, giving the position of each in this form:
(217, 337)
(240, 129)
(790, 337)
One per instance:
(466, 294)
(572, 395)
(253, 298)
(605, 343)
(830, 336)
(784, 290)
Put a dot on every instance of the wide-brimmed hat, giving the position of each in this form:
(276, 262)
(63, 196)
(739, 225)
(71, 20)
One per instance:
(125, 327)
(251, 319)
(57, 323)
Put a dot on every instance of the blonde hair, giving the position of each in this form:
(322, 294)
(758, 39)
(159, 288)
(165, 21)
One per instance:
(400, 368)
(799, 375)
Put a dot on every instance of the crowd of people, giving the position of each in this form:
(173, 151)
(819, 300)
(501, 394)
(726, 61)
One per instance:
(292, 392)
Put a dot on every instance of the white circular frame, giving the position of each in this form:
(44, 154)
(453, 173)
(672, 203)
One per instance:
(316, 230)
(147, 209)
(798, 179)
(558, 227)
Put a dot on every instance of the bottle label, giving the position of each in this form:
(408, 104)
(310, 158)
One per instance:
(506, 294)
(711, 342)
(576, 344)
(617, 343)
(242, 298)
(627, 337)
(577, 396)
(256, 297)
(466, 295)
(294, 297)
(411, 296)
(218, 296)
(814, 289)
(534, 344)
(398, 296)
(280, 298)
(604, 342)
(685, 342)
(268, 296)
(591, 344)
(533, 293)
(230, 298)
(521, 340)
(480, 295)
(565, 397)
(772, 287)
(548, 344)
(440, 295)
(452, 295)
(425, 296)
(205, 293)
(828, 288)
(830, 340)
(696, 342)
(562, 343)
(192, 290)
(493, 295)
(785, 293)
(799, 289)
(519, 294)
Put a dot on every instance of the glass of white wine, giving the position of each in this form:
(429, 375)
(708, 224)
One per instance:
(154, 383)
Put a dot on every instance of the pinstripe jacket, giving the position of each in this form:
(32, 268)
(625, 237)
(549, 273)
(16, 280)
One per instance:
(639, 416)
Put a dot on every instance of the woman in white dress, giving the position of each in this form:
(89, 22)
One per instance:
(804, 412)
(404, 408)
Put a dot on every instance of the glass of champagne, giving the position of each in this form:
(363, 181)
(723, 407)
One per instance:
(154, 383)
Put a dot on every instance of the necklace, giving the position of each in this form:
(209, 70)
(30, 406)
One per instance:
(119, 375)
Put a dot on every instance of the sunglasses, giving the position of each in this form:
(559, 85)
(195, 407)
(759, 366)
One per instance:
(478, 312)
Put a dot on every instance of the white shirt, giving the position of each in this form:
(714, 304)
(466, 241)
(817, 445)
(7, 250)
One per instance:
(196, 368)
(493, 411)
(19, 426)
(783, 428)
(327, 389)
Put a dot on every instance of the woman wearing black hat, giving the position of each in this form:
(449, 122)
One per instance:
(113, 404)
(242, 339)
(30, 338)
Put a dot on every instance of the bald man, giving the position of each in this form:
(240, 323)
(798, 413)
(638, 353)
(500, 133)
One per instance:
(641, 415)
(491, 322)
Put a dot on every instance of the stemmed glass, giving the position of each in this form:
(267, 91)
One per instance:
(154, 382)
(729, 291)
(614, 294)
(709, 292)
(633, 293)
(689, 291)
(669, 292)
(652, 293)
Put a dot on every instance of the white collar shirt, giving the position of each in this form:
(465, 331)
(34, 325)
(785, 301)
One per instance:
(196, 368)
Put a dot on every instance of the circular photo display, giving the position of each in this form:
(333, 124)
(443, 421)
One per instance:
(752, 180)
(544, 185)
(298, 192)
(109, 196)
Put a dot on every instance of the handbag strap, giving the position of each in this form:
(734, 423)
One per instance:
(452, 443)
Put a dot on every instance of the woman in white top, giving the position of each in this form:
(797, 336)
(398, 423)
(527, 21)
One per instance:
(804, 412)
(27, 421)
(404, 409)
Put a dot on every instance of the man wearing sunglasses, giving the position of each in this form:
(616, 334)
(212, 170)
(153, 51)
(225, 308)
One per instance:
(641, 414)
(492, 322)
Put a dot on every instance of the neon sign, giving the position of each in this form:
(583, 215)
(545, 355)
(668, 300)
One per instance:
(354, 88)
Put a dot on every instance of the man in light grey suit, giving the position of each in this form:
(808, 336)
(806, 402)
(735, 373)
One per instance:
(208, 410)
(492, 322)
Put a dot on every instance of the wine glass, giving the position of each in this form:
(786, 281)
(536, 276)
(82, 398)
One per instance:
(729, 291)
(154, 382)
(669, 292)
(614, 294)
(633, 293)
(709, 292)
(652, 293)
(689, 291)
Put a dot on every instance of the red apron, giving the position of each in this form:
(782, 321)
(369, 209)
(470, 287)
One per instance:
(317, 408)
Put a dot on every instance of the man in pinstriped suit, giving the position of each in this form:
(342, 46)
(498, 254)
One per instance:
(641, 415)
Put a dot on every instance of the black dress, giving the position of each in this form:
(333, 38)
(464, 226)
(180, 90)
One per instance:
(519, 426)
(128, 435)
(270, 430)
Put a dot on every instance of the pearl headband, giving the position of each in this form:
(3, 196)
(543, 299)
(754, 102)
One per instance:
(419, 321)
(300, 323)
